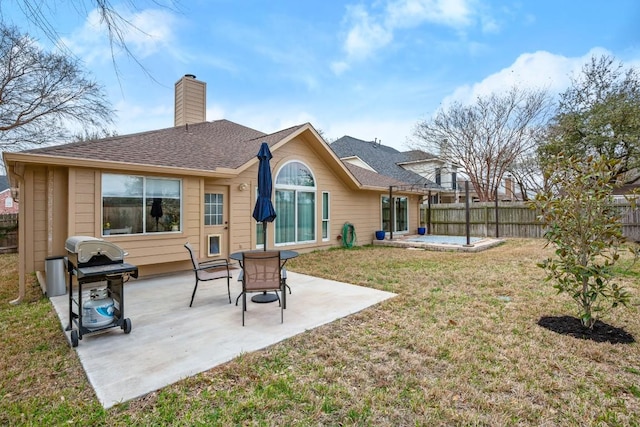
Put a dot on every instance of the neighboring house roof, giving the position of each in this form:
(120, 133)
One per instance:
(415, 156)
(372, 179)
(4, 182)
(384, 160)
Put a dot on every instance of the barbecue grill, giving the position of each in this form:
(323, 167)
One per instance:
(99, 263)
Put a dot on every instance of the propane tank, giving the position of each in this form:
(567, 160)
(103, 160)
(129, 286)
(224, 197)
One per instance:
(98, 311)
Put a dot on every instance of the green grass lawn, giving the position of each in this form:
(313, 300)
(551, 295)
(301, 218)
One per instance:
(459, 345)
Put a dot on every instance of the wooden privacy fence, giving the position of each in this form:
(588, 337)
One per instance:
(8, 233)
(515, 219)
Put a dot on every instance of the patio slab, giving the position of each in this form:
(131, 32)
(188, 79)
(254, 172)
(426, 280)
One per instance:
(170, 341)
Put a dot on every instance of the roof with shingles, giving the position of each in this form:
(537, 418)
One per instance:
(414, 156)
(372, 179)
(382, 158)
(203, 146)
(208, 146)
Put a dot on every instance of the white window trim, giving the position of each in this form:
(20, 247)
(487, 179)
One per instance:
(328, 219)
(297, 189)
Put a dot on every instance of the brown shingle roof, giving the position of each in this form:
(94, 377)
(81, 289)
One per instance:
(202, 146)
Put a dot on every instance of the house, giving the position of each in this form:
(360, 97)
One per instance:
(7, 204)
(424, 170)
(151, 192)
(438, 177)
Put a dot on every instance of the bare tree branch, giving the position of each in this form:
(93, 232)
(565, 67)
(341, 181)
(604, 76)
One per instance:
(41, 13)
(486, 138)
(44, 95)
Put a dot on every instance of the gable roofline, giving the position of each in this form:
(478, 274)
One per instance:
(317, 144)
(348, 159)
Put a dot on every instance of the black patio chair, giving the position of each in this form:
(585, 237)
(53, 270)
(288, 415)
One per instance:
(209, 270)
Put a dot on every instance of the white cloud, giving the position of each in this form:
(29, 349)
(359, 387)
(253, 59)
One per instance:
(366, 35)
(339, 67)
(152, 30)
(412, 13)
(148, 32)
(369, 33)
(538, 70)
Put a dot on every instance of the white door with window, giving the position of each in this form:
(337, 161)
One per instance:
(216, 221)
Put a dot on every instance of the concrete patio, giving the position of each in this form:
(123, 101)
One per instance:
(170, 341)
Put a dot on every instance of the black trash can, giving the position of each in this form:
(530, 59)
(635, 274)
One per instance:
(54, 268)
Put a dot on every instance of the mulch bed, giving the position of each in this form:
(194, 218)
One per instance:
(601, 332)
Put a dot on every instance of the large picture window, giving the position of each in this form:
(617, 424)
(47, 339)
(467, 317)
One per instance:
(140, 205)
(295, 204)
(401, 214)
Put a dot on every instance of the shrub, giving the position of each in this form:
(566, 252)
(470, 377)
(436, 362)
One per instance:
(582, 224)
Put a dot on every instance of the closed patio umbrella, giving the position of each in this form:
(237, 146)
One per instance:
(264, 211)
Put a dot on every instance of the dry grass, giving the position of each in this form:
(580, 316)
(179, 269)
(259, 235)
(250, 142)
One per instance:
(459, 345)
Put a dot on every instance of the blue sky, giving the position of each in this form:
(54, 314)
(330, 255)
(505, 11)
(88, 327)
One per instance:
(368, 69)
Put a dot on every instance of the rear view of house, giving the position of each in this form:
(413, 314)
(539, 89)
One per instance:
(153, 191)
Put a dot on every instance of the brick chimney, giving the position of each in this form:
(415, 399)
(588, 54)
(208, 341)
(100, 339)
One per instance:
(191, 101)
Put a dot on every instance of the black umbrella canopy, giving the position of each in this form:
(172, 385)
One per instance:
(264, 211)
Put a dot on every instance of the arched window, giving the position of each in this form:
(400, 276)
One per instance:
(295, 204)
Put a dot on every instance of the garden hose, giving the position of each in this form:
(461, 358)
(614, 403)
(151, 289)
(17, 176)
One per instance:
(348, 235)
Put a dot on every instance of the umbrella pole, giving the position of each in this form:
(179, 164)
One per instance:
(264, 235)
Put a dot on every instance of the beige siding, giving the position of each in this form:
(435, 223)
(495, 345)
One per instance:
(39, 220)
(58, 216)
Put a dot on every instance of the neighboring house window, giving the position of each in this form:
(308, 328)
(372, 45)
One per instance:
(454, 181)
(139, 205)
(401, 214)
(325, 216)
(8, 202)
(213, 209)
(438, 176)
(295, 204)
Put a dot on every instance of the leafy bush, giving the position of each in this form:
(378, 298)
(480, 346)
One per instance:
(582, 224)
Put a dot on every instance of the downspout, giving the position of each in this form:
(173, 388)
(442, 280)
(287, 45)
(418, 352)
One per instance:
(18, 171)
(392, 208)
(429, 213)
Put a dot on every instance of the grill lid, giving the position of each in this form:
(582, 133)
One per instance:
(86, 247)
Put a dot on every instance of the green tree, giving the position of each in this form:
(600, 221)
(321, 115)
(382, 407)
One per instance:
(599, 115)
(584, 227)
